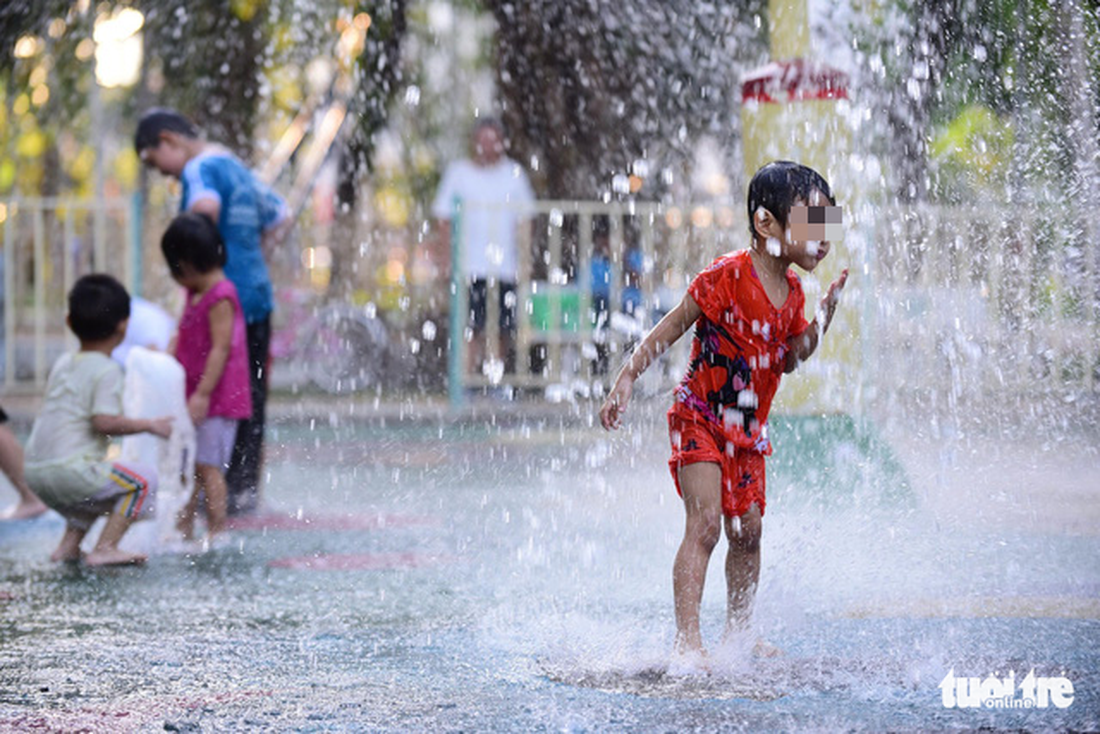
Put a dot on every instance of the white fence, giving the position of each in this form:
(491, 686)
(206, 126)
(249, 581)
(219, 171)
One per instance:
(48, 243)
(592, 278)
(951, 304)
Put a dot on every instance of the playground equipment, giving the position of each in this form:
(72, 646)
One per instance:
(335, 347)
(794, 108)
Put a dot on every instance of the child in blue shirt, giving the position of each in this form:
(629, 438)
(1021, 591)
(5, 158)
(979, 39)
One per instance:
(217, 184)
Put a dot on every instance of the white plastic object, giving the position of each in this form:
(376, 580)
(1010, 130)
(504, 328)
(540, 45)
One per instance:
(155, 387)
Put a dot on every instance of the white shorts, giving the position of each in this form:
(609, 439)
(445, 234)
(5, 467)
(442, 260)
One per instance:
(214, 439)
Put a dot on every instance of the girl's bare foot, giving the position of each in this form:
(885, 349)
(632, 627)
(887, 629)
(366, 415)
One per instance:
(24, 510)
(689, 657)
(185, 523)
(114, 557)
(689, 662)
(765, 649)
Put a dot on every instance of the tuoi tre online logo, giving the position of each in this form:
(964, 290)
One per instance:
(1003, 693)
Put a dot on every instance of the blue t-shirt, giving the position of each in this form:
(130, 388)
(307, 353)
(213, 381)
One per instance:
(247, 209)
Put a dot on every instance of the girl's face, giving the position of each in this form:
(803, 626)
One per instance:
(187, 276)
(811, 225)
(817, 221)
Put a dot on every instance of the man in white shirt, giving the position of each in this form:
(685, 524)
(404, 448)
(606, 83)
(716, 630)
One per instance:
(495, 196)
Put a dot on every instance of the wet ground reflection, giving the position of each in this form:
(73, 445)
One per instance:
(515, 577)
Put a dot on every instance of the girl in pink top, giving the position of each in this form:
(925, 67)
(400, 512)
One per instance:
(210, 344)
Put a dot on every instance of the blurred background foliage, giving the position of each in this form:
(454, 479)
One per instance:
(586, 88)
(969, 100)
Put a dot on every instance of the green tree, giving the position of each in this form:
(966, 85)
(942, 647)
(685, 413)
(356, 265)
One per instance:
(378, 73)
(588, 87)
(206, 54)
(210, 55)
(925, 63)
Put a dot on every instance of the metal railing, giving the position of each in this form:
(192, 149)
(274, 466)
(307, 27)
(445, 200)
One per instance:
(964, 303)
(957, 305)
(571, 330)
(48, 243)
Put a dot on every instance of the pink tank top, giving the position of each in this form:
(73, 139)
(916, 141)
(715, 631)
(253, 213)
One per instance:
(232, 398)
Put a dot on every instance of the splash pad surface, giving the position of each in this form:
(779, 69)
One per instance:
(414, 576)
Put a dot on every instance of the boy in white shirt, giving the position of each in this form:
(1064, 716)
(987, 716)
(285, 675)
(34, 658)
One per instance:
(67, 464)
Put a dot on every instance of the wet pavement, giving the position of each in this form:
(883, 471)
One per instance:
(510, 571)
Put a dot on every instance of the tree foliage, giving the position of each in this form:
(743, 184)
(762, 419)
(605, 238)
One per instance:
(210, 56)
(927, 63)
(589, 86)
(21, 17)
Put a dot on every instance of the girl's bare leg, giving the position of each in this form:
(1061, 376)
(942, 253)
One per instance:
(701, 485)
(213, 484)
(742, 567)
(743, 575)
(185, 518)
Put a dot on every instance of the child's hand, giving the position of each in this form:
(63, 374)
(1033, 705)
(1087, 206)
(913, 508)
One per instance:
(829, 302)
(613, 408)
(198, 406)
(161, 426)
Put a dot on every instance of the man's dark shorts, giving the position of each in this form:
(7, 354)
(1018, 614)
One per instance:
(479, 299)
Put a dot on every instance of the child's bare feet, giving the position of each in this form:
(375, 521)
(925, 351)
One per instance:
(68, 550)
(114, 557)
(694, 663)
(689, 661)
(24, 510)
(765, 649)
(66, 555)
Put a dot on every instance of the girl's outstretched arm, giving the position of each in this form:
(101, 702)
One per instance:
(659, 338)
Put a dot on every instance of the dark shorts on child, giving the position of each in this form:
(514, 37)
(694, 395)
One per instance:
(479, 299)
(743, 477)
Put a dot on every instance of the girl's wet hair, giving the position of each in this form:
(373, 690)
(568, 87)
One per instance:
(194, 239)
(97, 305)
(778, 185)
